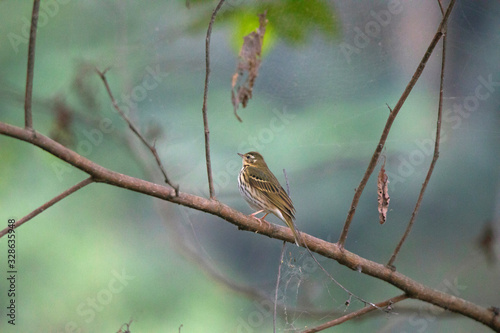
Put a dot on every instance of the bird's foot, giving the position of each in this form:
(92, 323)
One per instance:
(258, 212)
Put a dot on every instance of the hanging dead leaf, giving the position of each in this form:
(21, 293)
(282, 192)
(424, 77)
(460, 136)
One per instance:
(486, 242)
(248, 66)
(61, 128)
(85, 88)
(383, 194)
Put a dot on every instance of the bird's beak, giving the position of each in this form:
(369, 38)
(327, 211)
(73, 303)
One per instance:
(241, 155)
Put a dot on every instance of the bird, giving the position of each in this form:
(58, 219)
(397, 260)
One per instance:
(263, 192)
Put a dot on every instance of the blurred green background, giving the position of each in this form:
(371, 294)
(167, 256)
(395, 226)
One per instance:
(105, 256)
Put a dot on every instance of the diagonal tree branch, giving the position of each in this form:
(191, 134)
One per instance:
(28, 98)
(136, 131)
(48, 204)
(205, 95)
(410, 287)
(384, 304)
(390, 120)
(434, 157)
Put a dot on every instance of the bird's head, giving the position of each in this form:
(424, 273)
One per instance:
(253, 159)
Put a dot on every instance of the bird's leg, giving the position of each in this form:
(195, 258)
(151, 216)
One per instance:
(258, 212)
(262, 219)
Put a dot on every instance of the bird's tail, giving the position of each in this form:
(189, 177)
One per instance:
(291, 225)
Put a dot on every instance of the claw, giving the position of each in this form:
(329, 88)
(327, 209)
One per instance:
(262, 219)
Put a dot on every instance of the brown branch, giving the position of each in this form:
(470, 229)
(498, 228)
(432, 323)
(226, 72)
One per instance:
(48, 204)
(410, 287)
(134, 129)
(28, 119)
(205, 95)
(390, 120)
(384, 304)
(434, 157)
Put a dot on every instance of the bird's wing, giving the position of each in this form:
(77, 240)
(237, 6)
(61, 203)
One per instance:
(268, 185)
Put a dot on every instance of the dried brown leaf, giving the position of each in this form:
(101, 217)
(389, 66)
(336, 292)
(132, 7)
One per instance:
(61, 129)
(248, 66)
(84, 86)
(383, 194)
(486, 242)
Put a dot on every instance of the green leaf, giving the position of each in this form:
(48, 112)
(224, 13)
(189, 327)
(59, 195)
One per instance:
(294, 22)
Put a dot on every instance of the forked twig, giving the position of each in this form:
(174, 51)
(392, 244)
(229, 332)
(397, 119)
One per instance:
(205, 95)
(134, 129)
(384, 304)
(127, 329)
(434, 157)
(48, 204)
(390, 120)
(28, 98)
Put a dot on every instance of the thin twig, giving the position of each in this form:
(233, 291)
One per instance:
(384, 304)
(365, 302)
(286, 182)
(434, 157)
(390, 120)
(134, 129)
(280, 264)
(205, 95)
(277, 286)
(288, 192)
(28, 119)
(441, 6)
(48, 204)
